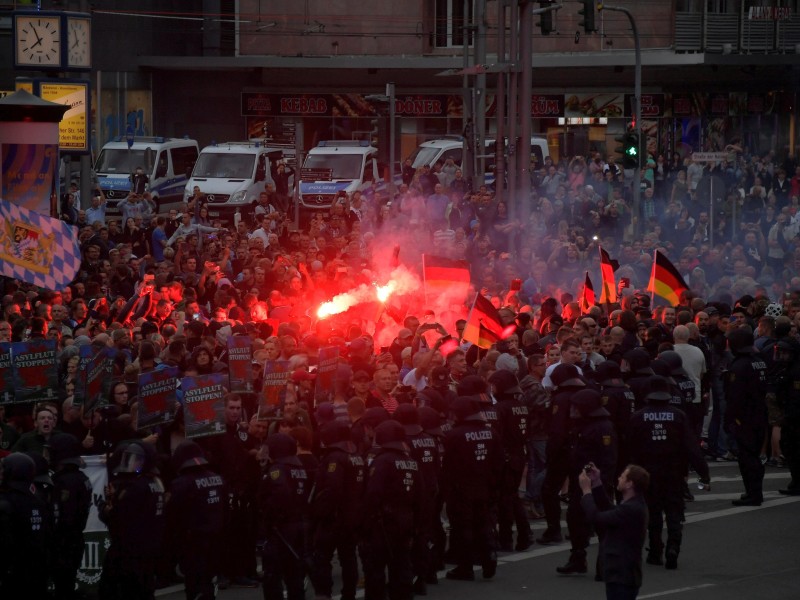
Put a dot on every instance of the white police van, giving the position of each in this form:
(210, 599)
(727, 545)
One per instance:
(166, 161)
(335, 166)
(439, 150)
(231, 175)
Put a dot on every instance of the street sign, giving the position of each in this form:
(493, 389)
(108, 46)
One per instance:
(709, 157)
(129, 136)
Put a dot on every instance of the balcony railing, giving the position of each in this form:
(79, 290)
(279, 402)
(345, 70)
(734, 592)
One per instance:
(733, 33)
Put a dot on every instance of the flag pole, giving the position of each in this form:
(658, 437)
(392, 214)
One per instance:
(653, 280)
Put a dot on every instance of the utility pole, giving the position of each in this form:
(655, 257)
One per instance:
(479, 115)
(467, 161)
(637, 111)
(500, 130)
(525, 91)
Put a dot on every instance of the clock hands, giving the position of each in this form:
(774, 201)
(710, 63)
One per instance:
(38, 38)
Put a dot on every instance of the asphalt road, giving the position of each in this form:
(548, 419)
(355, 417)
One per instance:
(728, 553)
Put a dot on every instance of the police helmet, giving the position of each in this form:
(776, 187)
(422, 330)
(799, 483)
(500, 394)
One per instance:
(65, 449)
(336, 434)
(785, 352)
(658, 389)
(608, 372)
(470, 385)
(639, 361)
(19, 467)
(466, 408)
(188, 454)
(505, 383)
(587, 403)
(42, 474)
(375, 415)
(674, 361)
(430, 420)
(133, 459)
(281, 445)
(661, 368)
(391, 435)
(408, 416)
(741, 341)
(566, 375)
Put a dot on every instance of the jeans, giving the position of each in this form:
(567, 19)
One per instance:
(536, 466)
(718, 440)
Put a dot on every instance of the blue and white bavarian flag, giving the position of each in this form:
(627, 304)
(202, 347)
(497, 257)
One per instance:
(36, 248)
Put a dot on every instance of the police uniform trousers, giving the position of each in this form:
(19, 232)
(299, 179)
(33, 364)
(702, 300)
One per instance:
(749, 438)
(790, 446)
(67, 557)
(471, 530)
(557, 471)
(665, 502)
(127, 577)
(328, 538)
(511, 510)
(199, 563)
(283, 562)
(386, 550)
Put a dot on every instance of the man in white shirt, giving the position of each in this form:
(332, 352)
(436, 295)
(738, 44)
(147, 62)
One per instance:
(97, 212)
(570, 355)
(694, 361)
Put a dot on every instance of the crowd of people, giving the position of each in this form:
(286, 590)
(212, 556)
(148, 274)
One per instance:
(426, 452)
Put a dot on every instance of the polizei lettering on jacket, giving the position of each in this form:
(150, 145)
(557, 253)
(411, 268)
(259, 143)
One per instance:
(476, 436)
(205, 482)
(659, 416)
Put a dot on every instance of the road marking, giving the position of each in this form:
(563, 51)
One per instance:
(734, 478)
(677, 591)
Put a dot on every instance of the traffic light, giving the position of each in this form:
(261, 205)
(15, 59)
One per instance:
(629, 148)
(546, 24)
(588, 14)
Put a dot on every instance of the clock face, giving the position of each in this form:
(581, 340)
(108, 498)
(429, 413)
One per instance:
(38, 41)
(79, 47)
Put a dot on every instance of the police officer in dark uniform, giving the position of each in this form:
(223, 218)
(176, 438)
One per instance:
(363, 430)
(431, 422)
(283, 523)
(513, 421)
(231, 456)
(392, 510)
(336, 510)
(24, 536)
(746, 412)
(567, 381)
(133, 510)
(470, 477)
(787, 353)
(636, 373)
(618, 399)
(423, 448)
(662, 441)
(72, 499)
(195, 519)
(592, 440)
(686, 388)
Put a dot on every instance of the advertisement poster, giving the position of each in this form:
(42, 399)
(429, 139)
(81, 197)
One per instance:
(328, 360)
(35, 371)
(28, 174)
(73, 129)
(157, 398)
(6, 378)
(276, 376)
(204, 405)
(240, 358)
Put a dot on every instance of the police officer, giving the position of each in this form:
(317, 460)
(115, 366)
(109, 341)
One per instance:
(195, 519)
(470, 476)
(786, 353)
(283, 523)
(392, 510)
(592, 440)
(24, 536)
(567, 382)
(133, 510)
(636, 372)
(513, 421)
(746, 412)
(431, 422)
(686, 388)
(618, 399)
(663, 441)
(72, 499)
(336, 510)
(423, 448)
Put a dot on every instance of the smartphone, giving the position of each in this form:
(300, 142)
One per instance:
(384, 349)
(196, 316)
(516, 285)
(149, 277)
(625, 282)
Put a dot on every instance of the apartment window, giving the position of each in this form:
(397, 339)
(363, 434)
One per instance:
(450, 22)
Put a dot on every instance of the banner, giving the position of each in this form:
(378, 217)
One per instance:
(276, 376)
(240, 358)
(204, 405)
(157, 399)
(95, 535)
(99, 371)
(326, 369)
(6, 374)
(36, 248)
(35, 371)
(85, 355)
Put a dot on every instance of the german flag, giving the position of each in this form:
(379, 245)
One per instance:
(588, 299)
(666, 280)
(445, 277)
(608, 289)
(484, 327)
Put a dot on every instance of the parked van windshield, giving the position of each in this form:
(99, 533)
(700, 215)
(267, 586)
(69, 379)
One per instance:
(343, 166)
(224, 165)
(113, 160)
(423, 156)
